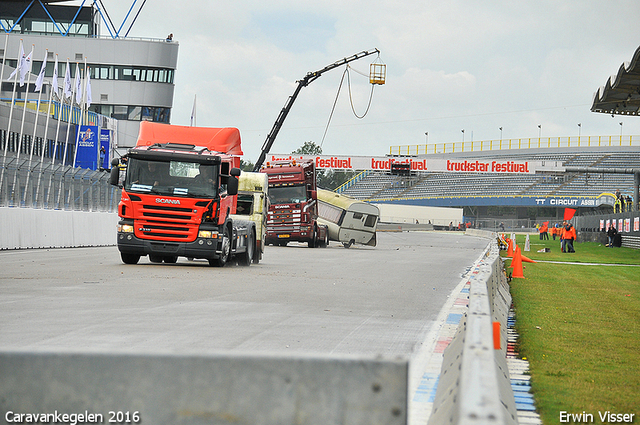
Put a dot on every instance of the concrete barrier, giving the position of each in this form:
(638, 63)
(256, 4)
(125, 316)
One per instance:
(213, 389)
(40, 228)
(474, 386)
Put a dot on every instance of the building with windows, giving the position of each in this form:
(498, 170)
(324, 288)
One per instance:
(132, 79)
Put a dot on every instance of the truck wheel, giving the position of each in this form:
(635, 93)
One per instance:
(314, 239)
(171, 259)
(129, 258)
(247, 256)
(155, 258)
(325, 241)
(221, 261)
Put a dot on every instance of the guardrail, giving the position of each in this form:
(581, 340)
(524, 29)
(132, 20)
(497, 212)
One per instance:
(524, 143)
(34, 184)
(474, 386)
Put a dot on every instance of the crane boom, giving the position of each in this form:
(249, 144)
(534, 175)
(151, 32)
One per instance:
(311, 76)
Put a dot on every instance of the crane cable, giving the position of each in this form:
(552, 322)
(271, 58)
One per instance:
(346, 72)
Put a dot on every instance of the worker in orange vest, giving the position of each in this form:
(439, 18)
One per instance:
(567, 236)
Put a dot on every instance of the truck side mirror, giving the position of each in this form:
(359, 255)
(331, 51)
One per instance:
(114, 177)
(232, 185)
(235, 172)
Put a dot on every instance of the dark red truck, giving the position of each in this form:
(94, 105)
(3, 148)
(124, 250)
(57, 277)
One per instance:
(293, 213)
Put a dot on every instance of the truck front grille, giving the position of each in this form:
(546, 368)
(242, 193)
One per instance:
(164, 222)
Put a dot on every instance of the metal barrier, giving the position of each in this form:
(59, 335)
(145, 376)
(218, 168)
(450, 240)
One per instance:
(505, 144)
(474, 386)
(35, 184)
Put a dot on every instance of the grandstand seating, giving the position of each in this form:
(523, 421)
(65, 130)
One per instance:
(380, 185)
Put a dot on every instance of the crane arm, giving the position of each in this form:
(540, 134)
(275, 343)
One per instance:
(311, 76)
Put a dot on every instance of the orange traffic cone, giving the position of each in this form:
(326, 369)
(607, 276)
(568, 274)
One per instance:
(526, 260)
(510, 248)
(516, 263)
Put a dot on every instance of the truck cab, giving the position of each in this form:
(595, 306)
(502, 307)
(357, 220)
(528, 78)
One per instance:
(293, 210)
(178, 197)
(253, 204)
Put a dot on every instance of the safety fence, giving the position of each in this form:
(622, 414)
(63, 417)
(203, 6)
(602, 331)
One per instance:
(504, 144)
(35, 184)
(474, 385)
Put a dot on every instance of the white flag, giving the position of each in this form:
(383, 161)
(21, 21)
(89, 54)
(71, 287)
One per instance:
(78, 85)
(20, 57)
(25, 67)
(40, 79)
(66, 89)
(89, 98)
(54, 81)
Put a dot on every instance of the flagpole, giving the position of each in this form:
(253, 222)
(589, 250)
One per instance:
(81, 121)
(193, 112)
(13, 98)
(61, 101)
(24, 113)
(66, 139)
(39, 82)
(44, 145)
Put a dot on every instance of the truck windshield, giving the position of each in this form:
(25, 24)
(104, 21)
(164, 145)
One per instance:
(173, 178)
(287, 194)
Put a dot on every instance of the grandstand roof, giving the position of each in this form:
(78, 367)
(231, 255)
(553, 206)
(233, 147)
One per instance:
(621, 94)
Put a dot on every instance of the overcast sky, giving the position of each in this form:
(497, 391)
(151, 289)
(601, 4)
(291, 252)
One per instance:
(451, 66)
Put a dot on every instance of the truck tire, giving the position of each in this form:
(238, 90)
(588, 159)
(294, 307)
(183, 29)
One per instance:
(257, 254)
(222, 260)
(246, 257)
(172, 259)
(325, 241)
(155, 258)
(313, 242)
(129, 258)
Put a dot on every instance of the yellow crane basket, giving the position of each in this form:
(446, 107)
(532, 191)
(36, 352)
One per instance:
(377, 72)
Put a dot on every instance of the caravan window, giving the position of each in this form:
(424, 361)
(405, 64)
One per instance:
(370, 221)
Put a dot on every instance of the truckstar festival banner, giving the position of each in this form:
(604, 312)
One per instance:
(416, 164)
(87, 149)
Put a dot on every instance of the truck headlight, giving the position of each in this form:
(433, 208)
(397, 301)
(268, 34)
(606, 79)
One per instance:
(125, 228)
(207, 234)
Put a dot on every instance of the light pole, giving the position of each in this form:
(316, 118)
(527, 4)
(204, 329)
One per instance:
(539, 130)
(427, 136)
(620, 131)
(501, 134)
(579, 131)
(463, 134)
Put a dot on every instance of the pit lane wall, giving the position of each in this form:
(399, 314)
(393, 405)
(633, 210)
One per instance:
(40, 228)
(212, 389)
(474, 385)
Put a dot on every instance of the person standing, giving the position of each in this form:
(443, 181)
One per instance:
(611, 234)
(568, 236)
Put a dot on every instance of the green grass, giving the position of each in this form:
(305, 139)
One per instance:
(579, 328)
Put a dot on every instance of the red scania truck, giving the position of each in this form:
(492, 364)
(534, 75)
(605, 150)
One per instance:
(178, 192)
(293, 213)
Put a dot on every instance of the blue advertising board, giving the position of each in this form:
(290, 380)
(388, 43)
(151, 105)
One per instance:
(105, 141)
(87, 149)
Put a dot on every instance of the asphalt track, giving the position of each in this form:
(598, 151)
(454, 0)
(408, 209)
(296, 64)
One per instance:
(388, 300)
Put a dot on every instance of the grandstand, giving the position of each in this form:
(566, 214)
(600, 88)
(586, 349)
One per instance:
(547, 188)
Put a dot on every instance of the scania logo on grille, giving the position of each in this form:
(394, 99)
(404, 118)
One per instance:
(167, 201)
